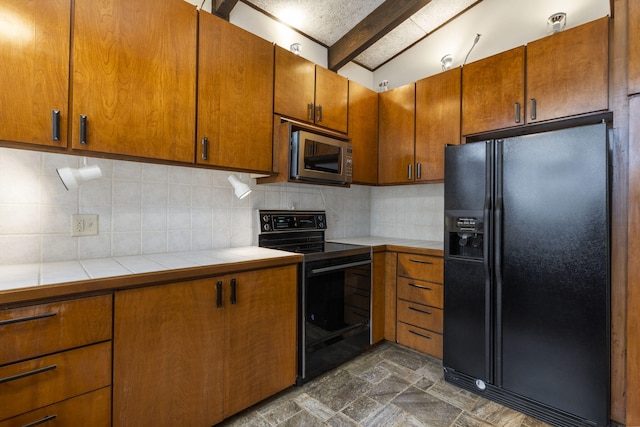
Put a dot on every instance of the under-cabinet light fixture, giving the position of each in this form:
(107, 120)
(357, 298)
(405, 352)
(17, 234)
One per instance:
(447, 62)
(556, 22)
(72, 178)
(240, 189)
(296, 48)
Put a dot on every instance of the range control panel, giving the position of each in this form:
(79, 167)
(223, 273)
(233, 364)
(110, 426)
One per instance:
(274, 221)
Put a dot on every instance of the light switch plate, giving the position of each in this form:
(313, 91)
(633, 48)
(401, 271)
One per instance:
(84, 225)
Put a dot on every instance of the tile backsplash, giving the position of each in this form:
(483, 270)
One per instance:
(148, 208)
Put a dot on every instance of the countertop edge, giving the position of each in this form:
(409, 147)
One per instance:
(107, 285)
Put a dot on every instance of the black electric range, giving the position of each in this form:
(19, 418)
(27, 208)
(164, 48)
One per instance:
(334, 291)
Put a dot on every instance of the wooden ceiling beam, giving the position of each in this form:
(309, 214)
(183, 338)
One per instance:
(223, 8)
(376, 25)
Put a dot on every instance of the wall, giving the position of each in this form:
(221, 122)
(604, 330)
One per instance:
(147, 208)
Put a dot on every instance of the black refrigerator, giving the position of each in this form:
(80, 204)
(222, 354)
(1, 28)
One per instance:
(526, 273)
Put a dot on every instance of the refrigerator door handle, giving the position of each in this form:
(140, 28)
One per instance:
(497, 257)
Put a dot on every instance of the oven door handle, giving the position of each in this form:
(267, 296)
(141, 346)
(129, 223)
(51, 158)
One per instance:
(339, 267)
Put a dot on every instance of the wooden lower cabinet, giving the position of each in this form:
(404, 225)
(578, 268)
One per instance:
(195, 352)
(55, 363)
(90, 409)
(420, 302)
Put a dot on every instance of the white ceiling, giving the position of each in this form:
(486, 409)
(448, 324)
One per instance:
(502, 24)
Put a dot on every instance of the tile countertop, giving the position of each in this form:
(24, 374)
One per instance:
(19, 277)
(433, 247)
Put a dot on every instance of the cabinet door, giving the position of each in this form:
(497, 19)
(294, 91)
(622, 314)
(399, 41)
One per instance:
(260, 336)
(396, 138)
(34, 78)
(167, 359)
(437, 122)
(235, 97)
(332, 95)
(294, 86)
(568, 72)
(134, 78)
(363, 131)
(634, 47)
(493, 92)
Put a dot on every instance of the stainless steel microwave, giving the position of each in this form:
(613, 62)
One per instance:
(320, 158)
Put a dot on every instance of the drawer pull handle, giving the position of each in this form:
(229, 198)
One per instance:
(420, 261)
(419, 310)
(426, 288)
(28, 374)
(42, 421)
(419, 334)
(26, 319)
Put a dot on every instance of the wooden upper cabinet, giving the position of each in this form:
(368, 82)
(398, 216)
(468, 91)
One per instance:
(332, 96)
(568, 72)
(437, 122)
(633, 18)
(294, 86)
(134, 78)
(308, 92)
(493, 92)
(363, 131)
(396, 137)
(235, 97)
(34, 77)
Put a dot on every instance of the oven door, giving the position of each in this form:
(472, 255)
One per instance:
(336, 312)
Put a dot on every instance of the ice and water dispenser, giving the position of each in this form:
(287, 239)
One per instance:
(464, 236)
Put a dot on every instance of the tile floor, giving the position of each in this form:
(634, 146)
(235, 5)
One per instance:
(388, 386)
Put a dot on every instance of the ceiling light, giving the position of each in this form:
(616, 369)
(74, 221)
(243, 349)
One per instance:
(296, 48)
(556, 22)
(447, 62)
(72, 178)
(240, 189)
(383, 85)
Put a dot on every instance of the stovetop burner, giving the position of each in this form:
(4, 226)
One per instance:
(302, 232)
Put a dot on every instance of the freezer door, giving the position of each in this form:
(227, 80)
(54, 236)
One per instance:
(553, 280)
(467, 335)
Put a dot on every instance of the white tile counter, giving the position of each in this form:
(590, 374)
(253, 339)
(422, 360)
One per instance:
(393, 243)
(25, 277)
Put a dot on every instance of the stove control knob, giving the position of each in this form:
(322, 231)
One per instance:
(266, 227)
(265, 218)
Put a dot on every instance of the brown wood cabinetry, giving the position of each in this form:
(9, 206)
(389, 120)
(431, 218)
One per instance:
(567, 74)
(53, 354)
(493, 92)
(134, 78)
(196, 352)
(420, 303)
(34, 81)
(310, 93)
(235, 97)
(363, 131)
(396, 143)
(633, 47)
(438, 100)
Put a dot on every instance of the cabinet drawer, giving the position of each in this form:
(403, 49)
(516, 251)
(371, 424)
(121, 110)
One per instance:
(91, 409)
(420, 339)
(421, 292)
(420, 315)
(39, 382)
(33, 331)
(421, 267)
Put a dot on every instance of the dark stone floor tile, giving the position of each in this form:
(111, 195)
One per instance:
(302, 419)
(361, 408)
(426, 408)
(341, 420)
(388, 389)
(404, 357)
(340, 389)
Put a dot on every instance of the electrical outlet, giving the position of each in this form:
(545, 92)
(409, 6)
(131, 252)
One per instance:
(84, 225)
